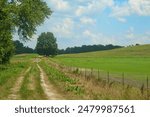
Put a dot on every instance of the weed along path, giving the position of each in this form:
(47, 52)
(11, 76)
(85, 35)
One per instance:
(14, 91)
(48, 88)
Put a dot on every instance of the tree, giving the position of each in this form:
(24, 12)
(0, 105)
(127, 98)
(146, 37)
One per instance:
(20, 48)
(22, 16)
(46, 44)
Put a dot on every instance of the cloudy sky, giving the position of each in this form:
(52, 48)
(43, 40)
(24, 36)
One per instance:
(87, 22)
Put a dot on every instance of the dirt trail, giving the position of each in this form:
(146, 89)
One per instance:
(48, 88)
(14, 91)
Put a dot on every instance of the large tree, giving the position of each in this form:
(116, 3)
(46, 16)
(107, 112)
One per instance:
(46, 44)
(22, 16)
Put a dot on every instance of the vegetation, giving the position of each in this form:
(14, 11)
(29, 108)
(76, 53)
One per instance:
(24, 15)
(65, 84)
(46, 44)
(9, 74)
(130, 60)
(21, 49)
(87, 48)
(130, 51)
(69, 84)
(31, 87)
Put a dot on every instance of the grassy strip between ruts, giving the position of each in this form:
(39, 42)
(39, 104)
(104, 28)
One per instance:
(31, 86)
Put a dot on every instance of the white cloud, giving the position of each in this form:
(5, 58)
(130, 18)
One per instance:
(64, 29)
(59, 4)
(87, 20)
(98, 38)
(93, 6)
(138, 7)
(119, 12)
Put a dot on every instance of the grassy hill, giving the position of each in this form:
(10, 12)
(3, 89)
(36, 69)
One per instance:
(133, 51)
(133, 60)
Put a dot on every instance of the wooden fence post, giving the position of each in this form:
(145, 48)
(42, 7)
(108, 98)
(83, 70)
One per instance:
(147, 82)
(123, 80)
(98, 75)
(108, 77)
(85, 73)
(91, 72)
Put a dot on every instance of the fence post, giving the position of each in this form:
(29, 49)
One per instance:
(142, 89)
(108, 77)
(98, 75)
(85, 73)
(147, 82)
(123, 80)
(91, 72)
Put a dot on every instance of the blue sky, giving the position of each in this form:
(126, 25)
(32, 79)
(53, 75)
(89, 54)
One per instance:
(87, 22)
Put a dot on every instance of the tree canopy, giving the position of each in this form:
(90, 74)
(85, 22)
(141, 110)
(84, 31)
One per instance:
(88, 48)
(21, 49)
(46, 44)
(22, 16)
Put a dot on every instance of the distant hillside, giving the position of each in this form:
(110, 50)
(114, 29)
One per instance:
(87, 48)
(132, 51)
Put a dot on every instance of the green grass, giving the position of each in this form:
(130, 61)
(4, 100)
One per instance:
(10, 72)
(8, 75)
(28, 93)
(133, 51)
(65, 84)
(133, 61)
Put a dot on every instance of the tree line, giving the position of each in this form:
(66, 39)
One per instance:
(21, 49)
(88, 48)
(46, 45)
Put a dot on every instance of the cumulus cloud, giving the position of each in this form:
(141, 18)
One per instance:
(87, 20)
(93, 6)
(65, 28)
(59, 4)
(138, 7)
(98, 38)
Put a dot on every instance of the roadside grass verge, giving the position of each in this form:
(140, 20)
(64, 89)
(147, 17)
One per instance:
(8, 75)
(68, 87)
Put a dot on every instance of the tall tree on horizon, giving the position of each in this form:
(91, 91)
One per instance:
(46, 44)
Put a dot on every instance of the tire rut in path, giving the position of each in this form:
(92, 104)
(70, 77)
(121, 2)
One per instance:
(48, 88)
(14, 91)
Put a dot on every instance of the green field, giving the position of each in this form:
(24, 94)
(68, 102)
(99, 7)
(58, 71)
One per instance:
(30, 76)
(130, 60)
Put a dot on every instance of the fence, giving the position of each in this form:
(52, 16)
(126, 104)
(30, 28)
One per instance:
(138, 81)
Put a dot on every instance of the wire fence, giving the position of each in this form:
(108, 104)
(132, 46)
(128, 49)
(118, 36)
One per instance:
(138, 81)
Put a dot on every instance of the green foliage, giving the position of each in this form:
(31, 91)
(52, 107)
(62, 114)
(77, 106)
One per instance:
(46, 44)
(88, 48)
(61, 80)
(20, 48)
(24, 15)
(6, 47)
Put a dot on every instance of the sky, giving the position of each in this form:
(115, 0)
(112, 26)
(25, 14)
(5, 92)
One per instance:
(88, 22)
